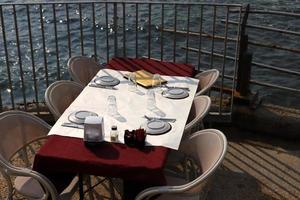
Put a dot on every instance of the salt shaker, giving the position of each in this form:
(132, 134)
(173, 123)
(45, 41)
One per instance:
(114, 133)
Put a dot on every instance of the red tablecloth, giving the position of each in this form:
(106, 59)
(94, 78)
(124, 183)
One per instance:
(62, 156)
(153, 66)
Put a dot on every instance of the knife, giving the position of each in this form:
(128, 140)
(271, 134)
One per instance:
(103, 87)
(160, 118)
(72, 125)
(183, 88)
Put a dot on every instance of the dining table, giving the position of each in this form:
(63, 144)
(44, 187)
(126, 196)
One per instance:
(65, 154)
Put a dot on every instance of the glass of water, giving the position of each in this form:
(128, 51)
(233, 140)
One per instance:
(151, 102)
(112, 109)
(156, 81)
(132, 85)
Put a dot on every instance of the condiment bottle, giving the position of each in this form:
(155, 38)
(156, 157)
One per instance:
(114, 133)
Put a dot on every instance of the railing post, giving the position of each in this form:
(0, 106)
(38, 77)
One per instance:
(245, 59)
(115, 28)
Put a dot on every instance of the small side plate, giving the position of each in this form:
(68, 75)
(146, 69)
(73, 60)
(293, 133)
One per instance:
(156, 127)
(175, 93)
(78, 117)
(106, 81)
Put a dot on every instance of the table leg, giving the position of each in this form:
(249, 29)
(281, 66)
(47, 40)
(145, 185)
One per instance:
(81, 195)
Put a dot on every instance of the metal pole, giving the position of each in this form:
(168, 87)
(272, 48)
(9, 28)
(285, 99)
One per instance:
(56, 42)
(44, 45)
(107, 42)
(81, 29)
(19, 57)
(124, 30)
(32, 61)
(68, 30)
(115, 26)
(7, 60)
(162, 33)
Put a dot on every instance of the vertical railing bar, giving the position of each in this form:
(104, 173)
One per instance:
(188, 35)
(124, 30)
(162, 32)
(107, 43)
(213, 38)
(32, 60)
(19, 56)
(136, 29)
(44, 45)
(224, 61)
(81, 29)
(56, 41)
(115, 26)
(149, 30)
(94, 30)
(200, 37)
(236, 58)
(68, 30)
(7, 61)
(175, 30)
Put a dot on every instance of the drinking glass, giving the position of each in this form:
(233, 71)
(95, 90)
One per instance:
(151, 102)
(132, 85)
(156, 81)
(112, 108)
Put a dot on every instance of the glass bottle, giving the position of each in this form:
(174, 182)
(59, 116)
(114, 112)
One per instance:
(114, 134)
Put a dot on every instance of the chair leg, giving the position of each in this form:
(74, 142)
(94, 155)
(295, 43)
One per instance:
(111, 189)
(88, 183)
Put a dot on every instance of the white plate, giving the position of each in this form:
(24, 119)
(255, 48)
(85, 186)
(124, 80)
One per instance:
(78, 117)
(106, 81)
(175, 93)
(156, 127)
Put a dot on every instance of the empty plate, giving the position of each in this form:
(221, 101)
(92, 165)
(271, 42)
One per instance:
(156, 127)
(78, 117)
(106, 81)
(175, 93)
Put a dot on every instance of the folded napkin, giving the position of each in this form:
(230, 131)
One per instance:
(93, 129)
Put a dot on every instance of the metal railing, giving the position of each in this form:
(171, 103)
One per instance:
(38, 38)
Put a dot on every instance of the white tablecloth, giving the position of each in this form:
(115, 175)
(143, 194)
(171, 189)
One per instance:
(132, 107)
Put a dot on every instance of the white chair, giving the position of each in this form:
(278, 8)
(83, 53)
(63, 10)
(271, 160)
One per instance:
(206, 80)
(82, 69)
(19, 133)
(200, 156)
(60, 94)
(199, 110)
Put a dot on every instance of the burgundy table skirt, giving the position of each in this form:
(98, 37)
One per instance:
(63, 157)
(153, 66)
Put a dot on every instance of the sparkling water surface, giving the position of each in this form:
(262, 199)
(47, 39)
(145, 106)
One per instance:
(286, 60)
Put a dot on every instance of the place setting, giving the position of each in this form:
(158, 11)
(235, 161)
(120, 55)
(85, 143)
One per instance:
(105, 82)
(156, 126)
(76, 119)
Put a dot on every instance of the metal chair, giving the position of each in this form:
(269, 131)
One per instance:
(206, 80)
(60, 94)
(20, 133)
(82, 69)
(199, 110)
(201, 154)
